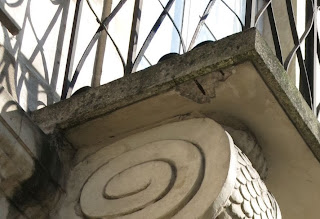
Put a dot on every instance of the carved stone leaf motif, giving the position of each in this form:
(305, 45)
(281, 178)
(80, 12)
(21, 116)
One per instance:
(250, 197)
(187, 169)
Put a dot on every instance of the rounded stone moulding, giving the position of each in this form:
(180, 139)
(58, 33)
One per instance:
(187, 169)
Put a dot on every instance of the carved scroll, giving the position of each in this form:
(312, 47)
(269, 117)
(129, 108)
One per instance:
(187, 169)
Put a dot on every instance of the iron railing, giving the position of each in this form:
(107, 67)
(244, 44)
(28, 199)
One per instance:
(255, 11)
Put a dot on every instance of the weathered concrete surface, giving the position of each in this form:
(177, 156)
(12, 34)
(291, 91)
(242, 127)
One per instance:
(30, 169)
(8, 210)
(234, 80)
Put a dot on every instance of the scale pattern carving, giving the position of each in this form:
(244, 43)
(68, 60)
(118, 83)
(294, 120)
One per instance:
(250, 197)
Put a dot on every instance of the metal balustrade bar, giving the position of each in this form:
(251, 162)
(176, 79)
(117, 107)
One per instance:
(72, 49)
(310, 55)
(151, 34)
(253, 14)
(134, 36)
(68, 89)
(274, 31)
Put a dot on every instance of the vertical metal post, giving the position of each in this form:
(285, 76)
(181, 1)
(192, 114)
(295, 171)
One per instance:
(201, 22)
(101, 47)
(178, 23)
(151, 34)
(310, 57)
(251, 6)
(315, 60)
(275, 35)
(72, 49)
(137, 11)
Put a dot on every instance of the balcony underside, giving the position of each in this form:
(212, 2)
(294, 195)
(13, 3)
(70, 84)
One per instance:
(236, 81)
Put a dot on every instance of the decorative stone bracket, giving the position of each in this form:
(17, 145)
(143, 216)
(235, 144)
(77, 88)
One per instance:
(235, 81)
(186, 169)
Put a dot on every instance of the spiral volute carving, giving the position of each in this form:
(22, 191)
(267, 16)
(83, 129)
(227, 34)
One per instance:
(186, 169)
(144, 180)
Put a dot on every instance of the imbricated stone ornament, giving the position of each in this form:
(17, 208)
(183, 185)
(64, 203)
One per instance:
(250, 197)
(186, 169)
(249, 146)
